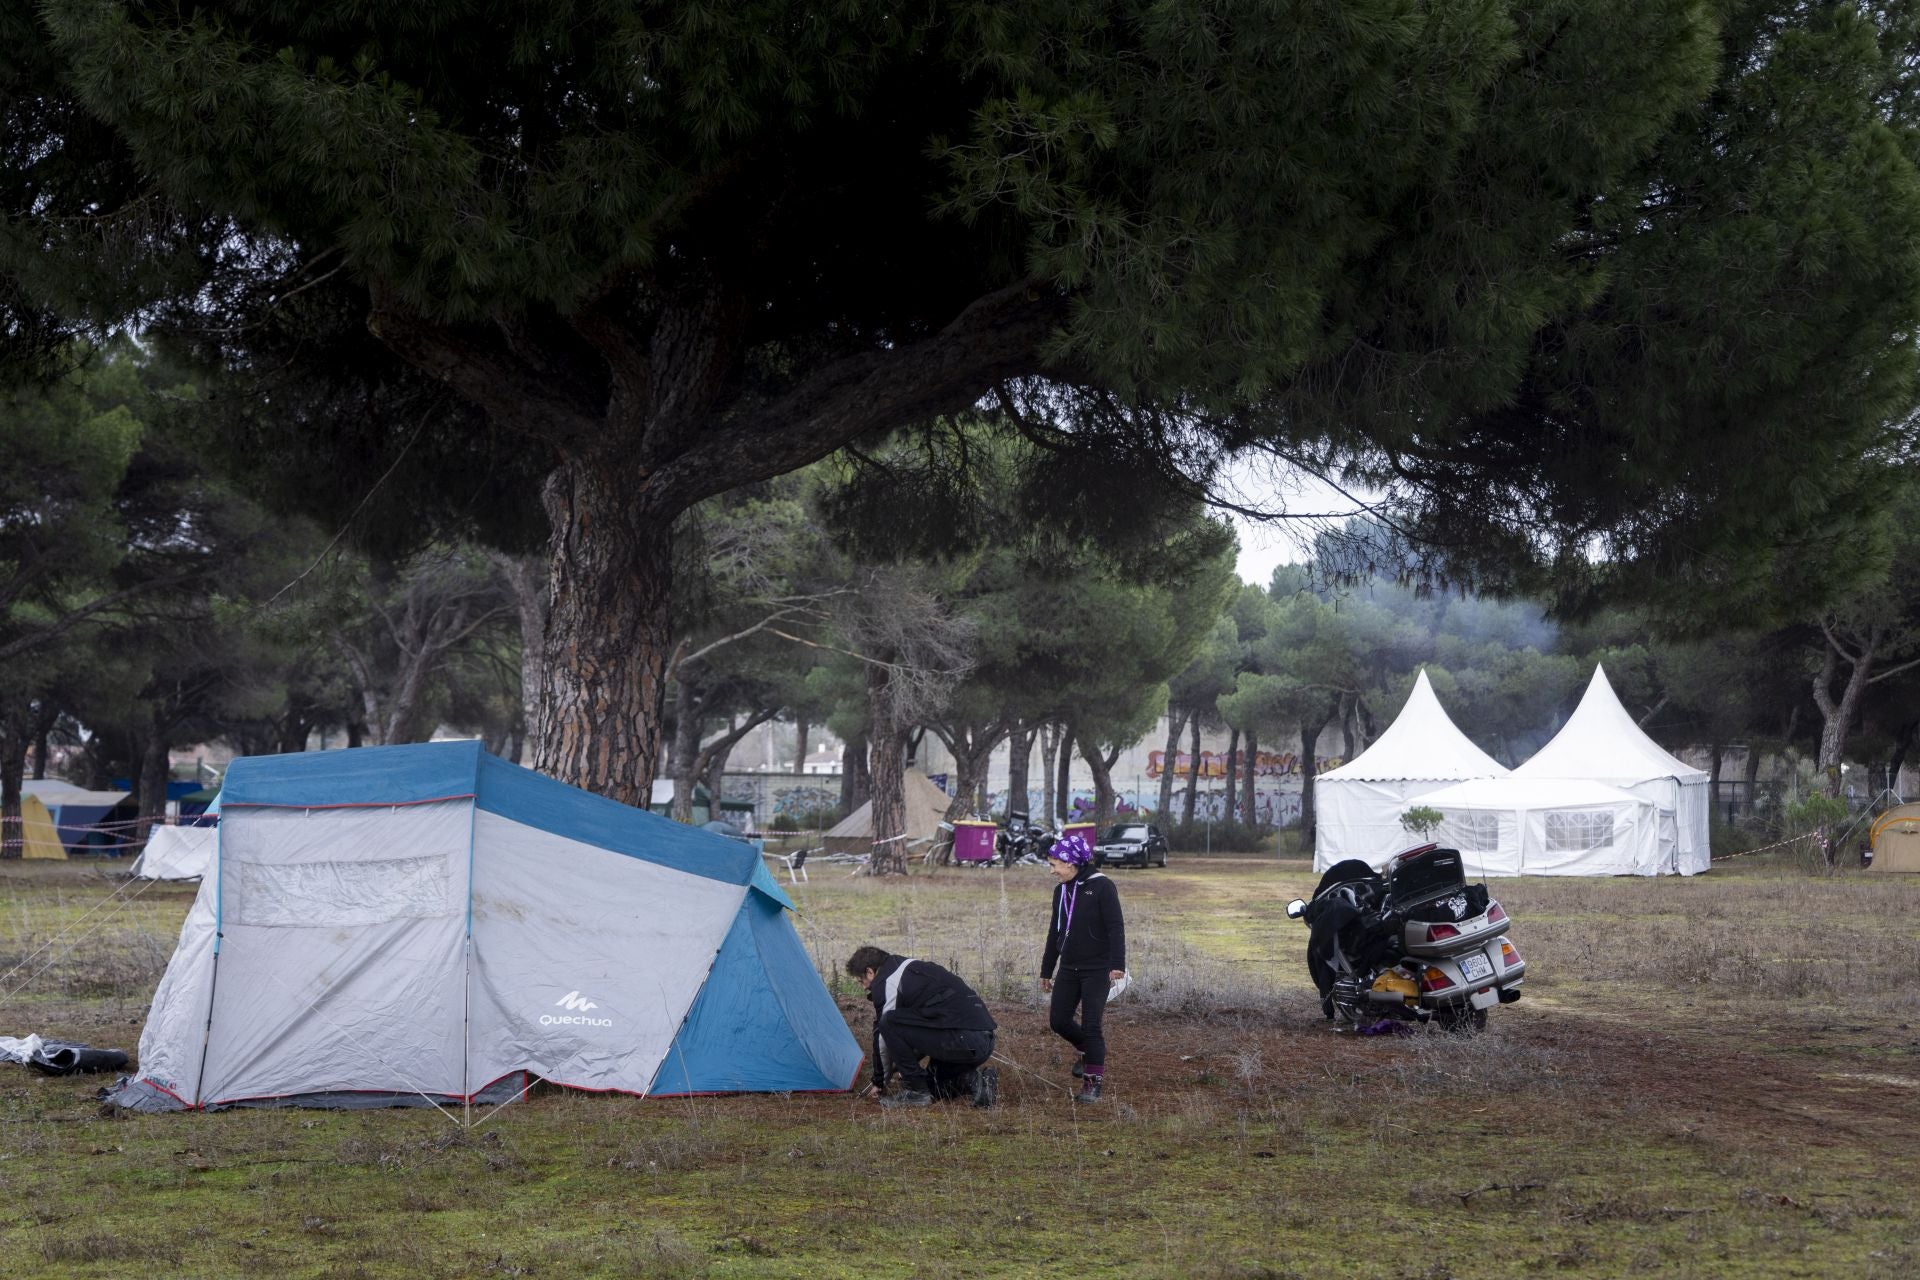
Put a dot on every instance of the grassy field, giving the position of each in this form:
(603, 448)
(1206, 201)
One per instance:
(1713, 1077)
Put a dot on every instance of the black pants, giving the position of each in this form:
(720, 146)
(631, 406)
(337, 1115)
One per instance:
(950, 1054)
(1085, 993)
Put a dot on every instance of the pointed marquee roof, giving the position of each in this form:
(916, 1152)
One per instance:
(1601, 741)
(1421, 744)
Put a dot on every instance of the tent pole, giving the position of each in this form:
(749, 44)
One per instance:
(466, 980)
(213, 979)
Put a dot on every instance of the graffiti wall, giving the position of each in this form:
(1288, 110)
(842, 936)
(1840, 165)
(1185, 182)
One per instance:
(1213, 764)
(1273, 807)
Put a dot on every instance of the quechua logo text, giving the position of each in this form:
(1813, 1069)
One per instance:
(577, 1006)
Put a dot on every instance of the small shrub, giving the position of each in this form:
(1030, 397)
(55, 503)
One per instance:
(783, 823)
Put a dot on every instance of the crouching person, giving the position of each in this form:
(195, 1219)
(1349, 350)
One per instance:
(929, 1028)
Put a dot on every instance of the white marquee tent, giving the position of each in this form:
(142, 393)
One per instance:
(1601, 743)
(1547, 826)
(175, 853)
(1358, 805)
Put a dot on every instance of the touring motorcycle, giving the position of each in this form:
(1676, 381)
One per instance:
(1416, 943)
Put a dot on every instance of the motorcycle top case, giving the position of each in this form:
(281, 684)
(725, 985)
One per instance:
(1420, 876)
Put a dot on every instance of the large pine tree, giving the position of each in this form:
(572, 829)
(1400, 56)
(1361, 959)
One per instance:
(1641, 267)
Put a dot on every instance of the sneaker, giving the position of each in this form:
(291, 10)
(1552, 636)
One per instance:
(908, 1098)
(986, 1087)
(1089, 1090)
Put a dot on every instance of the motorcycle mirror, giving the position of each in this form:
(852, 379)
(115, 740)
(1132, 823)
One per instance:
(1296, 909)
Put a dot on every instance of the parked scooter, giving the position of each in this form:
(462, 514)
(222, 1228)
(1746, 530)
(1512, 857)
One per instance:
(1416, 944)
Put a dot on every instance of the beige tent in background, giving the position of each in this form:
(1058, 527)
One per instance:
(1895, 836)
(38, 838)
(926, 810)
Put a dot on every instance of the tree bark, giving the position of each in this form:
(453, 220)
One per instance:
(800, 728)
(1063, 785)
(1837, 716)
(1193, 774)
(683, 759)
(1753, 776)
(1903, 740)
(1309, 743)
(1176, 721)
(1715, 751)
(1048, 745)
(13, 764)
(1233, 773)
(889, 856)
(603, 657)
(152, 782)
(856, 776)
(1019, 767)
(43, 721)
(526, 580)
(1249, 774)
(1102, 765)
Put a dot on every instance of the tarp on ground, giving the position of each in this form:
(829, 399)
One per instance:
(399, 925)
(926, 810)
(176, 853)
(1516, 826)
(1357, 807)
(1601, 743)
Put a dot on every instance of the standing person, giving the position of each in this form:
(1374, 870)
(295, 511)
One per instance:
(1088, 940)
(923, 1012)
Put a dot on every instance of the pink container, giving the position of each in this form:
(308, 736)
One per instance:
(973, 841)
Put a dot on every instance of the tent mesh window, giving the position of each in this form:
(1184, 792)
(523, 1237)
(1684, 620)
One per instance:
(1579, 830)
(1477, 832)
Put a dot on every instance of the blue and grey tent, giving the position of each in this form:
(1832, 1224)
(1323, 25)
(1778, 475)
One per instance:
(428, 923)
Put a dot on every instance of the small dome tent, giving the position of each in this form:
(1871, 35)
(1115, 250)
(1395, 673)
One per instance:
(1357, 806)
(175, 853)
(429, 924)
(1601, 743)
(1547, 826)
(37, 836)
(1895, 838)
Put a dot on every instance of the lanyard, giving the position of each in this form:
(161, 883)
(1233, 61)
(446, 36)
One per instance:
(1069, 898)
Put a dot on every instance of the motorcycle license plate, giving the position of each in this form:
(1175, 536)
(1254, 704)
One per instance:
(1475, 966)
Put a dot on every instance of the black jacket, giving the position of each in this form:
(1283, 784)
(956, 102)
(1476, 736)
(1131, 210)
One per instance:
(1098, 938)
(919, 993)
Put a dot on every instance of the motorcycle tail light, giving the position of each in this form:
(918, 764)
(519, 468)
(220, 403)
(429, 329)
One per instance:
(1441, 932)
(1496, 913)
(1508, 956)
(1434, 980)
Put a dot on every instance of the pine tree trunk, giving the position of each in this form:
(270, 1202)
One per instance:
(42, 727)
(683, 758)
(152, 784)
(1753, 776)
(1233, 773)
(1903, 740)
(13, 764)
(526, 579)
(800, 727)
(1309, 743)
(1193, 774)
(1019, 766)
(1249, 775)
(1063, 785)
(1101, 763)
(856, 777)
(1176, 721)
(609, 596)
(1716, 751)
(1837, 717)
(1048, 745)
